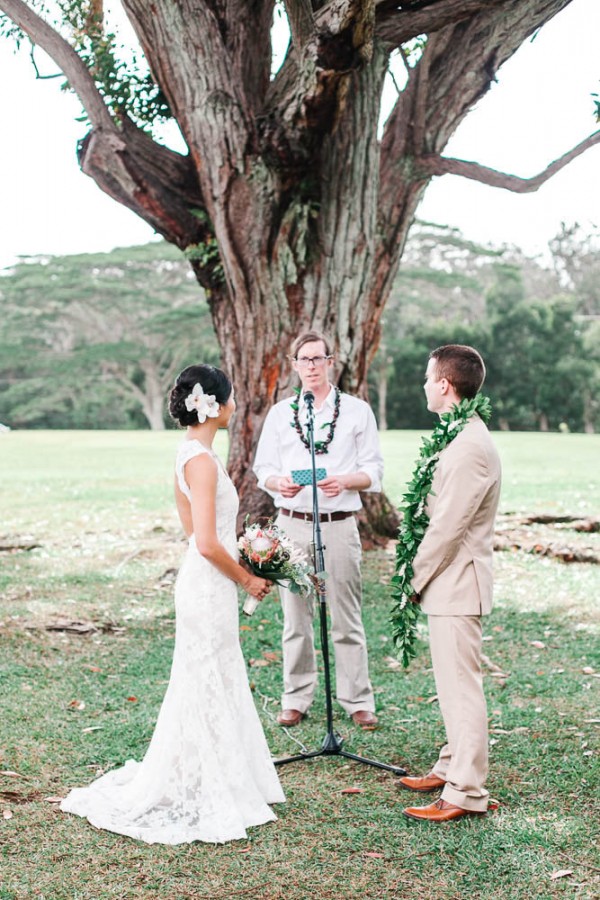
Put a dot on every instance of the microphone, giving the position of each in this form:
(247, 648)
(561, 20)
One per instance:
(309, 398)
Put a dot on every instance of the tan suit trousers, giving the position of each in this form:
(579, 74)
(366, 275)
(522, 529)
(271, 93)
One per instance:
(455, 643)
(344, 596)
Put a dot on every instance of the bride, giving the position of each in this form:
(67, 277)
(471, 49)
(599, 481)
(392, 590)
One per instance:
(207, 774)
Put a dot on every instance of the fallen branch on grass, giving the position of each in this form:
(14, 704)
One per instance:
(576, 523)
(546, 548)
(71, 626)
(515, 532)
(26, 545)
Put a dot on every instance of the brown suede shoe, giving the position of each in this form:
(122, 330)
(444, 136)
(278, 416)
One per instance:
(290, 717)
(364, 718)
(439, 812)
(423, 785)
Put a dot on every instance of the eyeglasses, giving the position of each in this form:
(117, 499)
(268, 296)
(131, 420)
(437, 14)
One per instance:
(317, 361)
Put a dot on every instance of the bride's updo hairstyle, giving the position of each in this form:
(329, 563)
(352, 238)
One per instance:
(213, 381)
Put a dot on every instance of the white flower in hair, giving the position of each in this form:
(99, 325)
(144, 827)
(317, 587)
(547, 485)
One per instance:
(205, 404)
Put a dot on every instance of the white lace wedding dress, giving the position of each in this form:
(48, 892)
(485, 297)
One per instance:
(207, 774)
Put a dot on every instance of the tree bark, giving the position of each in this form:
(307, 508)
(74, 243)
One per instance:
(293, 212)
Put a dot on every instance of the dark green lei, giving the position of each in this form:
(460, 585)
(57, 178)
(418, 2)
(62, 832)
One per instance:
(320, 446)
(415, 520)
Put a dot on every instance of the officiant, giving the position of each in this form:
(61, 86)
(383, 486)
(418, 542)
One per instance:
(348, 461)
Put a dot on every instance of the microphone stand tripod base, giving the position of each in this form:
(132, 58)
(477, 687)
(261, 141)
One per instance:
(332, 744)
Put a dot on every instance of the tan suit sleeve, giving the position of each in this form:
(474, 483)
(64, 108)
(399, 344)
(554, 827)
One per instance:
(461, 488)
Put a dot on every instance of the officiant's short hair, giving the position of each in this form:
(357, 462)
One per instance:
(462, 366)
(308, 337)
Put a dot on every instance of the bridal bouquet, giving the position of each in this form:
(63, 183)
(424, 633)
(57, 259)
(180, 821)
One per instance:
(269, 553)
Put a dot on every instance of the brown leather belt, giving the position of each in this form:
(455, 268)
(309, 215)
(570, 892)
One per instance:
(308, 517)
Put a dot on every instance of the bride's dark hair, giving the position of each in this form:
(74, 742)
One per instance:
(214, 381)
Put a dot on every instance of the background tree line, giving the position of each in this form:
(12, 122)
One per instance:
(95, 340)
(537, 326)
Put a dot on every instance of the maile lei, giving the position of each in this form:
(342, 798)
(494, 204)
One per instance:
(415, 520)
(320, 446)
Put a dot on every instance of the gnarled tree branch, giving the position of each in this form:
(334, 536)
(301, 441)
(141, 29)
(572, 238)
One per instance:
(206, 93)
(309, 93)
(301, 21)
(440, 165)
(395, 26)
(156, 183)
(456, 69)
(75, 70)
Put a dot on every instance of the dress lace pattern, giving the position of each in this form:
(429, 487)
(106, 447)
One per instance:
(207, 774)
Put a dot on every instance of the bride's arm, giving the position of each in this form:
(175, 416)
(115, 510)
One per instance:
(201, 475)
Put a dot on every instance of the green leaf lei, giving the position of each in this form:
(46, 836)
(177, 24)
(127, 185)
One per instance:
(415, 520)
(320, 446)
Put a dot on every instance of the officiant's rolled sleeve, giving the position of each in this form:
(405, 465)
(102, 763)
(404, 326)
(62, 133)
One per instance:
(370, 460)
(267, 461)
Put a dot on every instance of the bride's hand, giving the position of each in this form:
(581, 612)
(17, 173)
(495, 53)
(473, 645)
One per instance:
(257, 587)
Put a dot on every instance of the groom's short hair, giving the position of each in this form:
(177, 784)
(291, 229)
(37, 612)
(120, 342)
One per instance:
(308, 337)
(462, 366)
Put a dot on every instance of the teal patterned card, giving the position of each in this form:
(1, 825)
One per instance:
(304, 476)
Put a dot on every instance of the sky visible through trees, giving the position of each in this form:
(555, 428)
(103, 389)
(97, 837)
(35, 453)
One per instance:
(541, 105)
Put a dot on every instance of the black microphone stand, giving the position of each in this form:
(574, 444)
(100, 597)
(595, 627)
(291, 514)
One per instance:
(332, 742)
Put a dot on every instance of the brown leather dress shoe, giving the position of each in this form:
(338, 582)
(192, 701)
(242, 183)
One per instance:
(423, 785)
(364, 718)
(441, 811)
(290, 717)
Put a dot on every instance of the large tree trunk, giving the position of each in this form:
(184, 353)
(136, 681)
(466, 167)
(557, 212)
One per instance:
(292, 211)
(315, 277)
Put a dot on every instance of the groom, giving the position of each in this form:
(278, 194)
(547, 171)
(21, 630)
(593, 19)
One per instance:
(347, 445)
(453, 583)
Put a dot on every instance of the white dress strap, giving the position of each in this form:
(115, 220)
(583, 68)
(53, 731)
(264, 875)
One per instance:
(187, 451)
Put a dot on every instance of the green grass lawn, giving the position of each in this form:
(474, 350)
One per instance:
(99, 504)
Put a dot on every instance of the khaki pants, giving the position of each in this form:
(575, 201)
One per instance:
(343, 584)
(455, 643)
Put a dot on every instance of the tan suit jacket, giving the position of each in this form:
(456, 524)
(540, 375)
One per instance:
(453, 566)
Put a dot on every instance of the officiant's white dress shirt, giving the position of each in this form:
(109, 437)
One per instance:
(354, 448)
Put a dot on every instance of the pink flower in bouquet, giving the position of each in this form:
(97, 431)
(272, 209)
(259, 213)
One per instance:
(262, 548)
